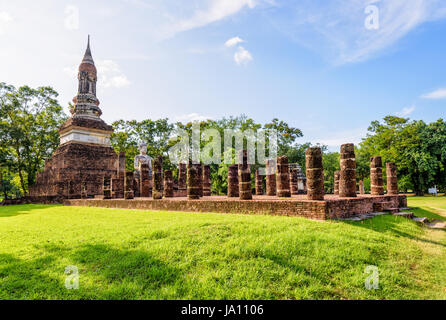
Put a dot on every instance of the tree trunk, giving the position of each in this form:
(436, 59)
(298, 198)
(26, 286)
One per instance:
(3, 187)
(22, 182)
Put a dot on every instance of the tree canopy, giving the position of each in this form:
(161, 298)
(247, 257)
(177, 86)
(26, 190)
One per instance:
(30, 120)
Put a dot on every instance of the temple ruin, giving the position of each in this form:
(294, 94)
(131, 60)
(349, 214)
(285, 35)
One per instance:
(85, 170)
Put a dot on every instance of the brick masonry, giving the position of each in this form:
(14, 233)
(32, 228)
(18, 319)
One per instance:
(331, 208)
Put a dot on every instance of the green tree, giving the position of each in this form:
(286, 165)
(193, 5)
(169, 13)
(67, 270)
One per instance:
(156, 133)
(29, 123)
(331, 164)
(417, 149)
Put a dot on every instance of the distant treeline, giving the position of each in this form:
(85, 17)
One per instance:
(30, 119)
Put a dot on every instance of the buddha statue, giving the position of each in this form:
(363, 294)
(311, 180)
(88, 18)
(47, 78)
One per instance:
(143, 158)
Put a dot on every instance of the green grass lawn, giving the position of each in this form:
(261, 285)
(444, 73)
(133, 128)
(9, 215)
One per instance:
(128, 254)
(429, 206)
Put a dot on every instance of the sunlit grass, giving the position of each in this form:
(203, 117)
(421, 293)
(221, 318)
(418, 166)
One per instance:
(128, 254)
(429, 206)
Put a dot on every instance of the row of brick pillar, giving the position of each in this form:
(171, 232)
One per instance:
(345, 179)
(281, 181)
(123, 186)
(376, 177)
(197, 180)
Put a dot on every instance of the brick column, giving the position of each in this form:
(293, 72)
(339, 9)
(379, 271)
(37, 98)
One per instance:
(128, 185)
(144, 182)
(337, 176)
(315, 174)
(206, 181)
(157, 192)
(283, 177)
(168, 184)
(233, 191)
(392, 179)
(301, 181)
(193, 182)
(361, 187)
(121, 165)
(182, 176)
(294, 186)
(259, 183)
(244, 176)
(347, 181)
(200, 173)
(376, 176)
(106, 189)
(136, 184)
(271, 178)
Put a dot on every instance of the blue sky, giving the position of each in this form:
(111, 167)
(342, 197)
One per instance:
(313, 63)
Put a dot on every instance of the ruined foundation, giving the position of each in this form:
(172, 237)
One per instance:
(297, 206)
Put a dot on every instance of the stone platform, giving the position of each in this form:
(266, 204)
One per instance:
(332, 207)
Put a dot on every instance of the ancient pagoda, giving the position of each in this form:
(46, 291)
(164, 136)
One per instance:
(85, 156)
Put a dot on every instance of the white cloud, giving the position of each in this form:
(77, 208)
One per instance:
(109, 74)
(233, 42)
(5, 19)
(70, 71)
(215, 10)
(435, 95)
(406, 111)
(242, 56)
(186, 118)
(338, 32)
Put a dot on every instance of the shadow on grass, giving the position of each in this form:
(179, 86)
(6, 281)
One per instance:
(138, 269)
(16, 210)
(105, 272)
(391, 224)
(26, 279)
(421, 212)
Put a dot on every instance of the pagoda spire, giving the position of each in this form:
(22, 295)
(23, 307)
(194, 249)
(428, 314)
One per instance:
(86, 103)
(88, 58)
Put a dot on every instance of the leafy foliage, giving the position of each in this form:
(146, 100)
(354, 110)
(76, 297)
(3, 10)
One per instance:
(29, 123)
